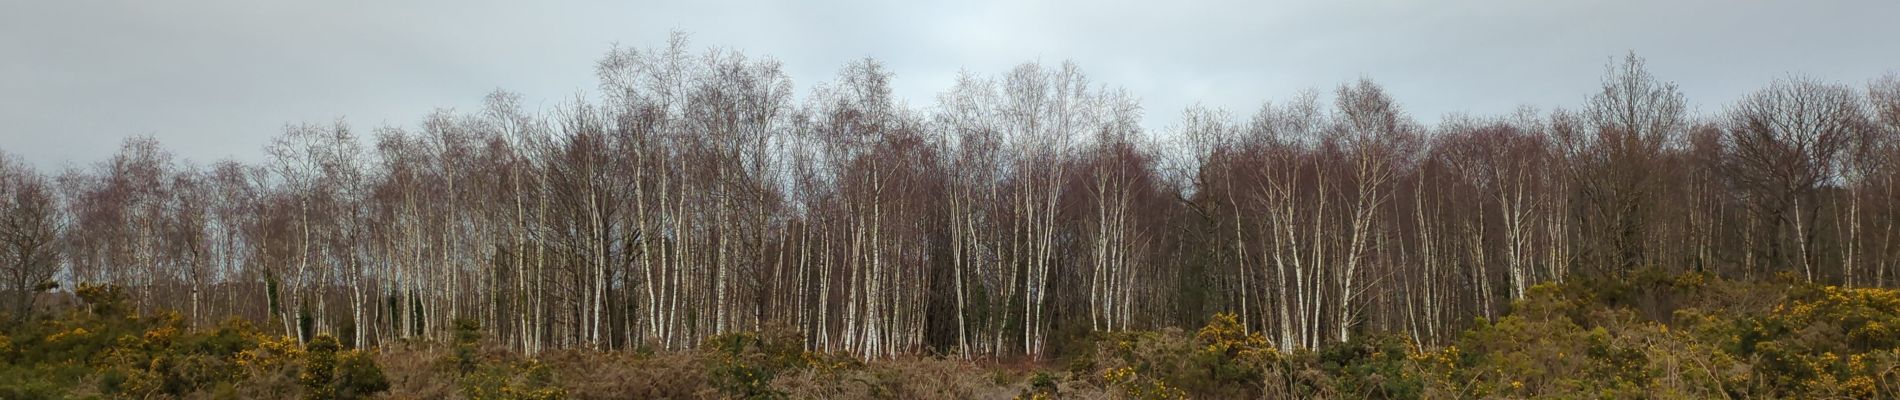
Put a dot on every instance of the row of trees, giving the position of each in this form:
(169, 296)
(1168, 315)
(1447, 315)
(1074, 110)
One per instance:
(696, 196)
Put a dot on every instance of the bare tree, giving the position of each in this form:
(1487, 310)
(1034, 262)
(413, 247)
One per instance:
(30, 226)
(694, 197)
(1785, 143)
(1625, 130)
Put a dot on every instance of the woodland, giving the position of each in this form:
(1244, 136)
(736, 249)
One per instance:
(699, 227)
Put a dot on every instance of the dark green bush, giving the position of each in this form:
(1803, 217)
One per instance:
(329, 372)
(1372, 367)
(528, 380)
(743, 364)
(481, 378)
(466, 346)
(358, 376)
(1222, 360)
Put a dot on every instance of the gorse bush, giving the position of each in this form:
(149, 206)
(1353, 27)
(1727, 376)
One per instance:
(1220, 360)
(523, 380)
(1373, 367)
(1548, 345)
(358, 376)
(1723, 339)
(100, 348)
(1224, 360)
(744, 364)
(319, 371)
(1820, 342)
(1559, 341)
(466, 347)
(329, 372)
(480, 377)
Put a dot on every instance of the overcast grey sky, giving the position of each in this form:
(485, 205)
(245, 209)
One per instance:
(216, 79)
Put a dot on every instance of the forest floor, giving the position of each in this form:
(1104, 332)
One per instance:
(1684, 336)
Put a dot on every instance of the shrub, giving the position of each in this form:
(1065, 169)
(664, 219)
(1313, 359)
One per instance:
(1230, 355)
(1731, 340)
(102, 300)
(743, 364)
(332, 373)
(466, 346)
(606, 375)
(416, 373)
(512, 381)
(1541, 349)
(319, 369)
(358, 376)
(1375, 367)
(1824, 342)
(905, 378)
(1222, 360)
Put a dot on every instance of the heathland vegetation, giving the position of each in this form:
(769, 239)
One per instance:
(696, 229)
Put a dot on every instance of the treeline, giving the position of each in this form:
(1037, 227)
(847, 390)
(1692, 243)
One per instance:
(699, 195)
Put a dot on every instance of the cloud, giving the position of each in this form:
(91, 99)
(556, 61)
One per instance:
(215, 79)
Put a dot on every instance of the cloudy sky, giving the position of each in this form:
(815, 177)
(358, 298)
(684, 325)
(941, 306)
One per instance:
(216, 79)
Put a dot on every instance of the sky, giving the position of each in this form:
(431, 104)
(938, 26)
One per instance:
(218, 79)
